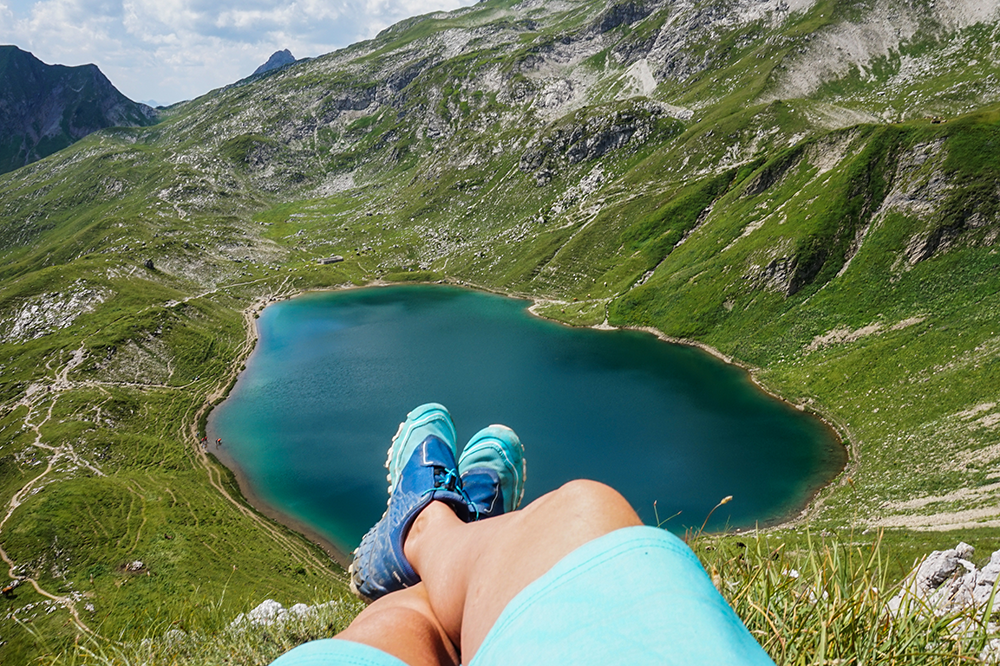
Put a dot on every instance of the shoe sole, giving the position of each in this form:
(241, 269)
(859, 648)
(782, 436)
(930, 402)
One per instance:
(354, 588)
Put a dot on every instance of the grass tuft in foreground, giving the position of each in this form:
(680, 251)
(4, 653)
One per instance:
(822, 602)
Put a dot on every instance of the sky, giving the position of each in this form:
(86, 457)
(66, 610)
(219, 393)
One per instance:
(171, 50)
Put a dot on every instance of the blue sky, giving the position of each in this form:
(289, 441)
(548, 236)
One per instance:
(170, 50)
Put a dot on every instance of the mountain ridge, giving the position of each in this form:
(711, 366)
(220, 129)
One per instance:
(44, 108)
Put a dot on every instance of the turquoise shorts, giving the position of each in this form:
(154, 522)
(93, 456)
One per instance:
(635, 596)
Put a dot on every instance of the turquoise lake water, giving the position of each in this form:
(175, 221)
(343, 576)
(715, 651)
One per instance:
(333, 374)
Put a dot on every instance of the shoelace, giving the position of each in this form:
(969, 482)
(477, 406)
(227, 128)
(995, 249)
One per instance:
(452, 481)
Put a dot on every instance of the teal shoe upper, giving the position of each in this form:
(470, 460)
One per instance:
(425, 420)
(492, 468)
(380, 565)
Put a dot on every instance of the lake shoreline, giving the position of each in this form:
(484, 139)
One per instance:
(342, 558)
(250, 314)
(261, 506)
(840, 431)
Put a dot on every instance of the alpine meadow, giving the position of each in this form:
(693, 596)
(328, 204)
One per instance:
(809, 188)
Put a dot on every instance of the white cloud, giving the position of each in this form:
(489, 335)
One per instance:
(170, 50)
(6, 18)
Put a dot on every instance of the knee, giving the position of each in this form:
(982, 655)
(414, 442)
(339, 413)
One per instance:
(587, 491)
(404, 625)
(595, 501)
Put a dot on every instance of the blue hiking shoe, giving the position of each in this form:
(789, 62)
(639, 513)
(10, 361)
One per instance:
(422, 469)
(492, 468)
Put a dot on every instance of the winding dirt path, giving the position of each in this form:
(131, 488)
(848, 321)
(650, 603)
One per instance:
(40, 400)
(34, 399)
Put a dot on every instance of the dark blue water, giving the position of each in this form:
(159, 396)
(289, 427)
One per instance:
(333, 374)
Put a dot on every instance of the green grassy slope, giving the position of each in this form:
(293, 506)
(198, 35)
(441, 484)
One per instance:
(671, 167)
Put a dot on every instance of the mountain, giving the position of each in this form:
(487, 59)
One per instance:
(44, 108)
(277, 59)
(808, 187)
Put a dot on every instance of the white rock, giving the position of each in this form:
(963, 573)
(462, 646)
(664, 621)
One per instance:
(300, 610)
(947, 582)
(991, 653)
(936, 569)
(268, 612)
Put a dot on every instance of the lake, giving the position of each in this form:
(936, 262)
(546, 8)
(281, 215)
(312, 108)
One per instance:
(672, 428)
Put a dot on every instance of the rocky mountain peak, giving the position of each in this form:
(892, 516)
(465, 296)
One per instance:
(278, 59)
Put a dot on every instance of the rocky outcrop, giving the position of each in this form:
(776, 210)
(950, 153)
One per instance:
(50, 312)
(587, 138)
(623, 13)
(946, 581)
(44, 108)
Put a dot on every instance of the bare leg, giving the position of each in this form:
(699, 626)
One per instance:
(472, 570)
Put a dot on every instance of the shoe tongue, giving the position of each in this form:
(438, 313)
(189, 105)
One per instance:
(482, 485)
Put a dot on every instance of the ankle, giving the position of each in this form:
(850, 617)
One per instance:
(426, 530)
